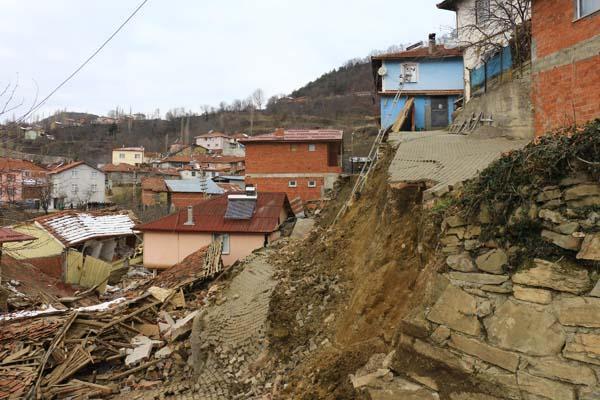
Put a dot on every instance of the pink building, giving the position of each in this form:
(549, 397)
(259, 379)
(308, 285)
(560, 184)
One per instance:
(243, 221)
(21, 180)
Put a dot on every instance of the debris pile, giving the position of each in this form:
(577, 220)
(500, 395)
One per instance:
(129, 343)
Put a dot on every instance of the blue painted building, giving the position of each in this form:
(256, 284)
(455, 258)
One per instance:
(432, 75)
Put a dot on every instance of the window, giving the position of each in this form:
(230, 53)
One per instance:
(410, 72)
(312, 184)
(10, 177)
(482, 10)
(312, 147)
(293, 147)
(193, 173)
(225, 238)
(74, 188)
(94, 174)
(94, 188)
(587, 7)
(137, 156)
(121, 155)
(73, 173)
(292, 184)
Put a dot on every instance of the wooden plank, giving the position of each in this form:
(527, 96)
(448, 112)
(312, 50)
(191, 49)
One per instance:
(403, 115)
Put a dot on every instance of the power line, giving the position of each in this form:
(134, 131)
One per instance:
(38, 105)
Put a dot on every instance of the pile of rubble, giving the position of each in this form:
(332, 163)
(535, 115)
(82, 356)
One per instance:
(130, 343)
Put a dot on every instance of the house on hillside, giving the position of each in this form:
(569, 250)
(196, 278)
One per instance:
(213, 140)
(128, 155)
(301, 163)
(154, 191)
(244, 222)
(481, 31)
(22, 181)
(76, 184)
(432, 76)
(565, 63)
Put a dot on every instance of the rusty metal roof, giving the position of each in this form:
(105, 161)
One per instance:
(72, 227)
(298, 135)
(209, 216)
(8, 235)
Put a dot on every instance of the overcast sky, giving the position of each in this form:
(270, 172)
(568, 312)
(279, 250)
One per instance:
(185, 53)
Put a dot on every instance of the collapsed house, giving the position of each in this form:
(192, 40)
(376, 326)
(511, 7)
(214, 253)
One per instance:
(81, 248)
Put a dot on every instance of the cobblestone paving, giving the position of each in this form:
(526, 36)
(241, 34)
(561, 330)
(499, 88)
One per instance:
(234, 336)
(444, 159)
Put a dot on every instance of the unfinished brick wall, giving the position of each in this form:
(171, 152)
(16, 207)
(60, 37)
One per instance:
(272, 158)
(566, 65)
(281, 185)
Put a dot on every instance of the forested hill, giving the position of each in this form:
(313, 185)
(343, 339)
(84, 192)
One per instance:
(353, 77)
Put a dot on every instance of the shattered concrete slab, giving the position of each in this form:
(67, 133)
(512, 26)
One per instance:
(442, 159)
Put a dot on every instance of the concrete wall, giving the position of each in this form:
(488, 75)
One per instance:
(509, 103)
(165, 249)
(443, 74)
(90, 185)
(566, 65)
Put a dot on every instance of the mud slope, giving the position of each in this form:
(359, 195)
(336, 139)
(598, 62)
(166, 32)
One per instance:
(344, 290)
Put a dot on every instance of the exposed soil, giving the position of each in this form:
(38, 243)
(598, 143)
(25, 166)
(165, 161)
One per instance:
(345, 289)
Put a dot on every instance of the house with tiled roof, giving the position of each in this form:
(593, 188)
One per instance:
(300, 162)
(244, 221)
(428, 78)
(76, 184)
(213, 140)
(128, 155)
(21, 180)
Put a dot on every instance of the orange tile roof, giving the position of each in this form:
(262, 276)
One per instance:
(68, 166)
(209, 216)
(13, 164)
(122, 167)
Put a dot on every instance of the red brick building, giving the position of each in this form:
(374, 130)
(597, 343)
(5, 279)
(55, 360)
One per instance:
(566, 62)
(301, 163)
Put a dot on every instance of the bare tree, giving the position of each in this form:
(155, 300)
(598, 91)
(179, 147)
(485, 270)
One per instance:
(46, 196)
(493, 24)
(258, 96)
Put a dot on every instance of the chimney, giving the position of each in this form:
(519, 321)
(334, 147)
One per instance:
(251, 191)
(431, 43)
(279, 132)
(190, 216)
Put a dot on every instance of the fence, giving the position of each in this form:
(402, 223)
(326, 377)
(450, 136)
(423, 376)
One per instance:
(491, 69)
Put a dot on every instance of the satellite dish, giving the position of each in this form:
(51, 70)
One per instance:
(382, 71)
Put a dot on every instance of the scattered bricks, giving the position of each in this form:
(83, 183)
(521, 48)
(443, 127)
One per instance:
(539, 296)
(493, 261)
(567, 242)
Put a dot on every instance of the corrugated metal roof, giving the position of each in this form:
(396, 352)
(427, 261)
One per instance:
(193, 186)
(76, 227)
(298, 135)
(209, 216)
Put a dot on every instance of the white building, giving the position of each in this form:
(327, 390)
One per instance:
(213, 140)
(76, 184)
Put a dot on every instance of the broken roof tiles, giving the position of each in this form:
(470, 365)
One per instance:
(72, 227)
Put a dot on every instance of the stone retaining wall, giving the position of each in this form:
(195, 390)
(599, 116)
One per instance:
(533, 328)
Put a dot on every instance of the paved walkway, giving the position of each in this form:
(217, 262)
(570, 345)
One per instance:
(442, 159)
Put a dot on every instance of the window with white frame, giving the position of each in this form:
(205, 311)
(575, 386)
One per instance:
(73, 173)
(74, 188)
(312, 184)
(94, 188)
(137, 155)
(224, 237)
(292, 184)
(587, 7)
(94, 174)
(121, 155)
(312, 147)
(410, 72)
